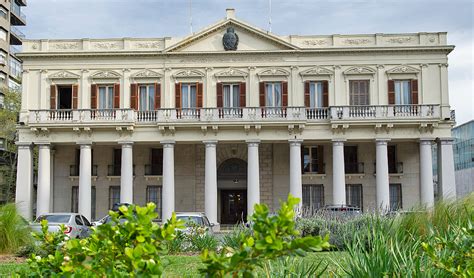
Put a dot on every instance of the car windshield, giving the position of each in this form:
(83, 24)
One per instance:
(190, 219)
(54, 218)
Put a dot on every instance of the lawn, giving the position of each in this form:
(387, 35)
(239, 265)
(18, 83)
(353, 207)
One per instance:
(187, 266)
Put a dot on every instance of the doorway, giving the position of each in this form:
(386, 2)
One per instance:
(232, 186)
(65, 97)
(234, 206)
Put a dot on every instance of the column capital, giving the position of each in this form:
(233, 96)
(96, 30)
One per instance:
(252, 142)
(210, 143)
(295, 142)
(125, 143)
(168, 143)
(84, 143)
(338, 142)
(382, 141)
(445, 140)
(426, 141)
(24, 145)
(44, 145)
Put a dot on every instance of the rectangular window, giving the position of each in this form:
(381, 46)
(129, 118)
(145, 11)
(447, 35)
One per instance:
(354, 195)
(392, 158)
(75, 200)
(64, 97)
(188, 95)
(313, 196)
(273, 94)
(231, 93)
(3, 12)
(3, 58)
(316, 94)
(311, 159)
(395, 196)
(147, 97)
(114, 195)
(15, 68)
(3, 34)
(106, 97)
(153, 195)
(351, 164)
(359, 92)
(402, 92)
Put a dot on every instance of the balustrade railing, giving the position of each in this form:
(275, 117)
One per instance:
(317, 113)
(354, 168)
(147, 116)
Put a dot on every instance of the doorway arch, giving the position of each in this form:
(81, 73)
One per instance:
(232, 191)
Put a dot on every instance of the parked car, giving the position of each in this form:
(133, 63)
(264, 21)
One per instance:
(107, 218)
(195, 219)
(77, 226)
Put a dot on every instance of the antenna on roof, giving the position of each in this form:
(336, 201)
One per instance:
(191, 16)
(270, 16)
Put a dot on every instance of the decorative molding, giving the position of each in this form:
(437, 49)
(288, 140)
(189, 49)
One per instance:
(105, 45)
(359, 70)
(231, 72)
(273, 72)
(64, 75)
(357, 41)
(64, 46)
(148, 45)
(316, 71)
(400, 40)
(403, 69)
(188, 73)
(315, 42)
(107, 74)
(147, 74)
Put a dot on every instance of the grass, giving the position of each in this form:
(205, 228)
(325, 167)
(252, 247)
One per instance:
(188, 266)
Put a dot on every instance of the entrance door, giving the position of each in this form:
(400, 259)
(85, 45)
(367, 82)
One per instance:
(234, 206)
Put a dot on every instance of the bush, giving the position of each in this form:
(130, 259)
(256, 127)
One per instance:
(232, 239)
(14, 230)
(293, 267)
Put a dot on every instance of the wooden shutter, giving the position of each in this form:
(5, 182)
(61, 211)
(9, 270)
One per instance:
(52, 96)
(199, 95)
(75, 92)
(414, 91)
(220, 96)
(325, 93)
(262, 94)
(94, 89)
(134, 96)
(177, 95)
(243, 97)
(320, 159)
(307, 95)
(284, 94)
(157, 96)
(391, 92)
(117, 95)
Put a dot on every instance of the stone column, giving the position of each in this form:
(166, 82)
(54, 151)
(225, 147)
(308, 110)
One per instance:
(253, 176)
(296, 188)
(24, 180)
(445, 108)
(446, 177)
(338, 173)
(210, 188)
(126, 178)
(426, 173)
(44, 179)
(126, 88)
(85, 180)
(168, 179)
(382, 177)
(51, 188)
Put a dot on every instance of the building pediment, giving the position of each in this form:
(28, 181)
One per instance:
(273, 72)
(315, 71)
(403, 69)
(108, 74)
(249, 38)
(64, 75)
(359, 70)
(231, 72)
(147, 74)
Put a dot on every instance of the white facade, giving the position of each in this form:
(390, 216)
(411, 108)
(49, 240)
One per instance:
(359, 102)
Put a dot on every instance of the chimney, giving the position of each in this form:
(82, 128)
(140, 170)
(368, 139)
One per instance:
(230, 13)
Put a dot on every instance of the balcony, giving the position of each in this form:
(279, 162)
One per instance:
(393, 168)
(116, 170)
(354, 168)
(153, 170)
(314, 169)
(16, 36)
(74, 170)
(247, 115)
(17, 16)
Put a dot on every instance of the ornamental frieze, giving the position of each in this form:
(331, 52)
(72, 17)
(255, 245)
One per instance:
(105, 45)
(148, 45)
(64, 75)
(401, 40)
(64, 45)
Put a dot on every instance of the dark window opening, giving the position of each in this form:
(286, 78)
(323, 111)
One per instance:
(65, 97)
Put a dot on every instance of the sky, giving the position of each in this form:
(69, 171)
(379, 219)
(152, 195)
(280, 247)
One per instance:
(53, 19)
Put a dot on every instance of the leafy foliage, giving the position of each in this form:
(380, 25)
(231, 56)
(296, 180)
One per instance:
(273, 237)
(130, 246)
(14, 230)
(293, 267)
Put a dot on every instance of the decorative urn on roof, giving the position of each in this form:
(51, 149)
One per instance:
(230, 39)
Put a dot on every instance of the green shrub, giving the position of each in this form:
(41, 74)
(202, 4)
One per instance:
(14, 229)
(293, 267)
(232, 239)
(202, 242)
(272, 237)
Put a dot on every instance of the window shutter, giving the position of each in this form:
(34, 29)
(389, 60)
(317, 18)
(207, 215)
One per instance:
(157, 96)
(52, 97)
(243, 97)
(220, 97)
(199, 95)
(134, 96)
(94, 89)
(262, 94)
(307, 96)
(414, 91)
(75, 91)
(325, 93)
(284, 94)
(117, 95)
(320, 159)
(391, 92)
(177, 95)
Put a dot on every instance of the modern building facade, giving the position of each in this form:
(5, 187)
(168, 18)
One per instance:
(232, 116)
(464, 158)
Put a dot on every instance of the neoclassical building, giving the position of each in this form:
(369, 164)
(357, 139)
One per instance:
(232, 116)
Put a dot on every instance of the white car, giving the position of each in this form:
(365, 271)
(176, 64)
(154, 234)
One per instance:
(77, 226)
(195, 219)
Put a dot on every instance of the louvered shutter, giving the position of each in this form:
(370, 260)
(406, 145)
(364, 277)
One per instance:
(219, 93)
(75, 93)
(199, 96)
(414, 91)
(52, 97)
(117, 95)
(325, 93)
(284, 94)
(391, 92)
(307, 96)
(157, 96)
(94, 89)
(243, 97)
(177, 95)
(262, 93)
(134, 96)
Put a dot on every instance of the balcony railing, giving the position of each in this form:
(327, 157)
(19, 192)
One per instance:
(116, 170)
(393, 168)
(153, 170)
(17, 32)
(16, 9)
(315, 169)
(246, 114)
(354, 168)
(74, 170)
